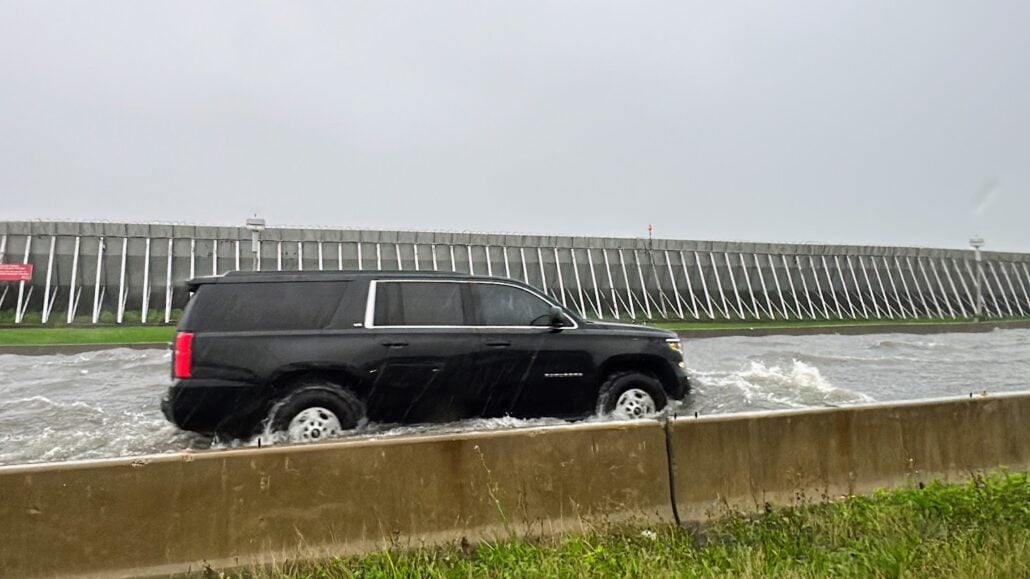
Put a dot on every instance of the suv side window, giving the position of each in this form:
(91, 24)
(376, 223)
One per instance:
(418, 304)
(269, 306)
(505, 305)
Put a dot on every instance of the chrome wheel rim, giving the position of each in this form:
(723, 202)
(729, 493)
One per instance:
(634, 403)
(313, 424)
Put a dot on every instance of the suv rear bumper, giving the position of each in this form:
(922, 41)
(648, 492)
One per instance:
(215, 406)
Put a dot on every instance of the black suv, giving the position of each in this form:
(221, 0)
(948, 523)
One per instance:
(313, 354)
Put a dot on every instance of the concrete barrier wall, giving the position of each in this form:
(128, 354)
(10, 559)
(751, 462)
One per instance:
(169, 513)
(746, 461)
(96, 272)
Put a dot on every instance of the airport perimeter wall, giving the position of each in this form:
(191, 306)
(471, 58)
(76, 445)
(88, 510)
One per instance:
(174, 513)
(112, 272)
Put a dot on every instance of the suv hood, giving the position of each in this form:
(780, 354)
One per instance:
(629, 329)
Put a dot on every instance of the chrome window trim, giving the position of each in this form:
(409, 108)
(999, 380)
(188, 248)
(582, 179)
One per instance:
(371, 300)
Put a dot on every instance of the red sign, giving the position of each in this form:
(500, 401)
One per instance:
(15, 272)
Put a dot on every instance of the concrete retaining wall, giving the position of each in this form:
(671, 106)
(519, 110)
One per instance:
(164, 514)
(169, 513)
(746, 461)
(90, 272)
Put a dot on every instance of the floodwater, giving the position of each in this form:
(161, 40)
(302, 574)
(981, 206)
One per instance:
(105, 403)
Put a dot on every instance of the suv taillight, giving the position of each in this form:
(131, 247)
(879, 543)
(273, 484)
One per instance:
(183, 354)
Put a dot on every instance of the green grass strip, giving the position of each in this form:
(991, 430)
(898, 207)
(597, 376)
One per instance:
(776, 324)
(979, 529)
(77, 336)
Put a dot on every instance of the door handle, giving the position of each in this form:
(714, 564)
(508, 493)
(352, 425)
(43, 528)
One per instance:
(389, 344)
(498, 343)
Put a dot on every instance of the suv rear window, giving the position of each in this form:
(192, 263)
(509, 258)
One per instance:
(268, 306)
(419, 304)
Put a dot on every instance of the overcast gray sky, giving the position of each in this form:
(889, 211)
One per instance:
(893, 122)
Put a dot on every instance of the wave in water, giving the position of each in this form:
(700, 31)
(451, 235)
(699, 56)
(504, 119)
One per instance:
(769, 387)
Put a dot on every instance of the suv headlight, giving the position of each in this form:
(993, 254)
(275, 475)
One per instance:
(674, 344)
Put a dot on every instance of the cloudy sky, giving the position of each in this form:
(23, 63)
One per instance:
(850, 122)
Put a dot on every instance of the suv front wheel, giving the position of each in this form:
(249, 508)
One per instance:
(316, 412)
(630, 395)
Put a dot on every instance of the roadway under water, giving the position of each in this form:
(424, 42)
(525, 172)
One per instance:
(105, 404)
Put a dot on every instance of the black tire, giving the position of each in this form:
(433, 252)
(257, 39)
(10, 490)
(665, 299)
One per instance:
(619, 382)
(348, 410)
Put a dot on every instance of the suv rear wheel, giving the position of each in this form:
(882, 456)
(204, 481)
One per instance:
(316, 412)
(631, 395)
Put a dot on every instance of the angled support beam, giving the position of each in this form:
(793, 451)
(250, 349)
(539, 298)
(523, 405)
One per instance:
(883, 289)
(47, 296)
(718, 285)
(672, 280)
(804, 286)
(98, 289)
(765, 289)
(611, 283)
(940, 285)
(962, 281)
(579, 285)
(904, 285)
(1012, 289)
(844, 287)
(793, 290)
(704, 286)
(858, 287)
(1001, 290)
(74, 291)
(629, 291)
(929, 286)
(123, 292)
(146, 283)
(779, 290)
(168, 283)
(819, 287)
(561, 278)
(1022, 283)
(829, 280)
(690, 286)
(869, 287)
(597, 290)
(733, 282)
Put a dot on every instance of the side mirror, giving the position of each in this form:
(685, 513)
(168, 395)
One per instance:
(557, 317)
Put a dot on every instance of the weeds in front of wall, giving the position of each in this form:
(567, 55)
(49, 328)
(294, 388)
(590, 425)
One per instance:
(979, 528)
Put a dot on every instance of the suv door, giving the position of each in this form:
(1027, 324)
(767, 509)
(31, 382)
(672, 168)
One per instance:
(421, 325)
(525, 367)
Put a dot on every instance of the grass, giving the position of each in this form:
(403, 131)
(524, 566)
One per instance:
(747, 324)
(979, 529)
(38, 336)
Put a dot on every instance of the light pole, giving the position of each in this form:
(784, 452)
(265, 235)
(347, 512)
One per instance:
(256, 226)
(977, 243)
